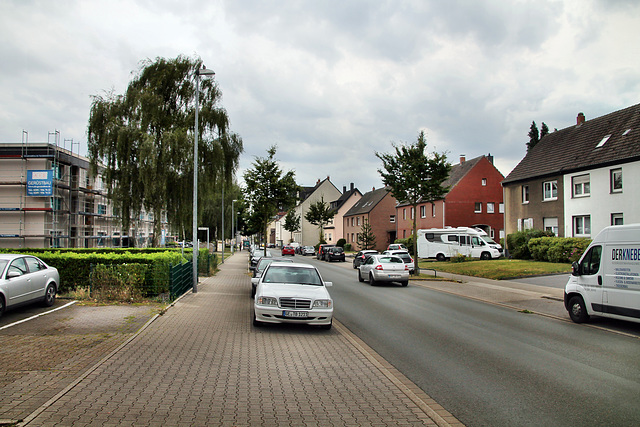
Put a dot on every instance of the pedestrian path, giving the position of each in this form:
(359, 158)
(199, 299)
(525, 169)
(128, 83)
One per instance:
(203, 363)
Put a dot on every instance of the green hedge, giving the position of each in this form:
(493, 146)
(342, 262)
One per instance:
(518, 243)
(558, 249)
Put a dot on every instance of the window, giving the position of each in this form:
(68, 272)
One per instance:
(581, 225)
(358, 221)
(501, 208)
(581, 186)
(550, 190)
(617, 219)
(404, 213)
(478, 207)
(484, 182)
(423, 211)
(392, 218)
(591, 261)
(102, 209)
(616, 180)
(413, 212)
(433, 210)
(525, 194)
(525, 224)
(56, 203)
(491, 207)
(603, 141)
(551, 224)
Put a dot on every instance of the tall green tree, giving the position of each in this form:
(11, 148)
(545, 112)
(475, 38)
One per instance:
(544, 130)
(534, 136)
(268, 190)
(366, 239)
(292, 223)
(413, 176)
(319, 214)
(145, 137)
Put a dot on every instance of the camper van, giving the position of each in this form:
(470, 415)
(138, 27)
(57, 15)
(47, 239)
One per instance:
(444, 243)
(606, 280)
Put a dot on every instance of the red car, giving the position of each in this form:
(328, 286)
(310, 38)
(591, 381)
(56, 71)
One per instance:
(288, 250)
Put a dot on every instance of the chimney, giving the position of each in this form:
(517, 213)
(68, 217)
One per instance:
(318, 182)
(490, 158)
(344, 189)
(580, 119)
(352, 186)
(462, 158)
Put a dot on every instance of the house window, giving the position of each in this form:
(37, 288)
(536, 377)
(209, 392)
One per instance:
(581, 225)
(102, 209)
(550, 190)
(491, 207)
(616, 219)
(358, 221)
(581, 186)
(616, 180)
(423, 211)
(551, 224)
(392, 218)
(404, 213)
(501, 208)
(433, 210)
(525, 194)
(525, 224)
(478, 207)
(404, 234)
(484, 182)
(413, 212)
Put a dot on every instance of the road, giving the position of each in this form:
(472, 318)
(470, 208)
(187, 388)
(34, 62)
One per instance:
(489, 364)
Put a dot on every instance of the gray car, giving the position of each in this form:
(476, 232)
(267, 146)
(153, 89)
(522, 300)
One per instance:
(26, 279)
(384, 268)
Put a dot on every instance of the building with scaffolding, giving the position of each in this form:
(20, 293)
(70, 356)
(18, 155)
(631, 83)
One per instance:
(48, 199)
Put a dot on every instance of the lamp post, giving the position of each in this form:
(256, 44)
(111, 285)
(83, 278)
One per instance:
(223, 215)
(233, 232)
(199, 72)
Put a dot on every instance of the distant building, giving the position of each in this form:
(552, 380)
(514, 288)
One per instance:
(378, 207)
(309, 234)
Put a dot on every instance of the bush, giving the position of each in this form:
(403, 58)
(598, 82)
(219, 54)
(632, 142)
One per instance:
(347, 247)
(408, 242)
(558, 249)
(341, 243)
(459, 258)
(123, 283)
(518, 243)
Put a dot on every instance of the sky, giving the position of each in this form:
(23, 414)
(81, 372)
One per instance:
(330, 83)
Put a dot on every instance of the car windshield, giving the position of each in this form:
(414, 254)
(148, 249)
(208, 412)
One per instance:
(405, 257)
(265, 262)
(292, 275)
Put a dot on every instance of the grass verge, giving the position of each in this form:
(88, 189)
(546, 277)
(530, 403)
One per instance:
(499, 269)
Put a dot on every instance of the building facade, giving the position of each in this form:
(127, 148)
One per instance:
(378, 208)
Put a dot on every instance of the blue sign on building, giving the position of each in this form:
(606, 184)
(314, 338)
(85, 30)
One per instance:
(40, 183)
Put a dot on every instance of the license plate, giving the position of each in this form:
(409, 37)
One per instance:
(394, 276)
(295, 314)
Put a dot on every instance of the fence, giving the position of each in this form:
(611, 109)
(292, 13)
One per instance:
(181, 279)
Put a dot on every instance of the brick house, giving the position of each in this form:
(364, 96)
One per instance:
(475, 199)
(378, 207)
(580, 179)
(334, 230)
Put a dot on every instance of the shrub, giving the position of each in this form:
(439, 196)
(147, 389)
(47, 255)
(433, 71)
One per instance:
(124, 283)
(558, 249)
(341, 243)
(408, 242)
(347, 247)
(458, 258)
(518, 243)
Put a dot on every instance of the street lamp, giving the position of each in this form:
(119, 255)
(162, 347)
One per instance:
(199, 72)
(233, 232)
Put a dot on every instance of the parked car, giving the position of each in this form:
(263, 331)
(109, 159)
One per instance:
(255, 257)
(396, 247)
(258, 270)
(26, 279)
(358, 260)
(321, 249)
(308, 250)
(288, 250)
(405, 257)
(292, 293)
(384, 268)
(334, 254)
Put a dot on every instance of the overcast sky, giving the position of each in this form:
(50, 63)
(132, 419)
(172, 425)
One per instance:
(332, 82)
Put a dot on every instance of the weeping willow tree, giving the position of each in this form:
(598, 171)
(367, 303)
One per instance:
(144, 139)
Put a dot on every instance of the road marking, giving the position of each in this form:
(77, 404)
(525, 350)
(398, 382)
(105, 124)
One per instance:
(37, 315)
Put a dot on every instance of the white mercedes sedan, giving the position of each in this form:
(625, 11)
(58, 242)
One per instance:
(292, 293)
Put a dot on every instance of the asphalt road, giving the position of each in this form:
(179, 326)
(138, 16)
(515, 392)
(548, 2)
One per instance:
(489, 364)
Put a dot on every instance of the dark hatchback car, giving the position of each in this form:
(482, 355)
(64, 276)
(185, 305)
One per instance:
(362, 256)
(334, 254)
(322, 249)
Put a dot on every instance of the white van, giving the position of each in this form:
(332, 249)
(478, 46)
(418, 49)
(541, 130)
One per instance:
(444, 243)
(606, 280)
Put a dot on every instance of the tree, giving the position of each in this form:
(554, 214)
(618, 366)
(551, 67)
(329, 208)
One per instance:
(366, 238)
(544, 130)
(319, 214)
(413, 176)
(292, 222)
(534, 136)
(144, 139)
(268, 190)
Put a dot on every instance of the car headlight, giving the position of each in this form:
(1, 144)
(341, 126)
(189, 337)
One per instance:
(322, 303)
(267, 301)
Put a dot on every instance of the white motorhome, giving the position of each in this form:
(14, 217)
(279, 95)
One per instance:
(444, 243)
(606, 280)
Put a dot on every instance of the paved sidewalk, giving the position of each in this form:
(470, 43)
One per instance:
(203, 363)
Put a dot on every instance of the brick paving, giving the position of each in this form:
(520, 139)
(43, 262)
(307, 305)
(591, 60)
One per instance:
(203, 363)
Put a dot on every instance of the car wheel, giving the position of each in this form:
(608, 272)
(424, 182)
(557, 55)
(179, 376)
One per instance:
(256, 322)
(372, 281)
(440, 257)
(360, 279)
(327, 327)
(49, 295)
(405, 283)
(2, 306)
(485, 256)
(253, 291)
(577, 310)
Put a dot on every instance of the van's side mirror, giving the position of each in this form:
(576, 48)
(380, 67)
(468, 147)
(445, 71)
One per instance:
(575, 269)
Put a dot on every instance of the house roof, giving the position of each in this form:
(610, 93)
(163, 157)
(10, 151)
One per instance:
(367, 202)
(583, 146)
(337, 204)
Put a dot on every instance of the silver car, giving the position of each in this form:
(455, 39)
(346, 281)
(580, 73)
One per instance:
(26, 279)
(384, 268)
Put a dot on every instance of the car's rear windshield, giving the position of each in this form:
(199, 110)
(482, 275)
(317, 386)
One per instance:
(405, 257)
(390, 259)
(292, 275)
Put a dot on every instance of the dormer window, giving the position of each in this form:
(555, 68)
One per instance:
(604, 140)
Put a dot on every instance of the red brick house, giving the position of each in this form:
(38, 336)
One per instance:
(475, 199)
(378, 207)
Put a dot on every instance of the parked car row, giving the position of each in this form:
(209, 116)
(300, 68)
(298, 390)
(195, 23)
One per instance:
(328, 252)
